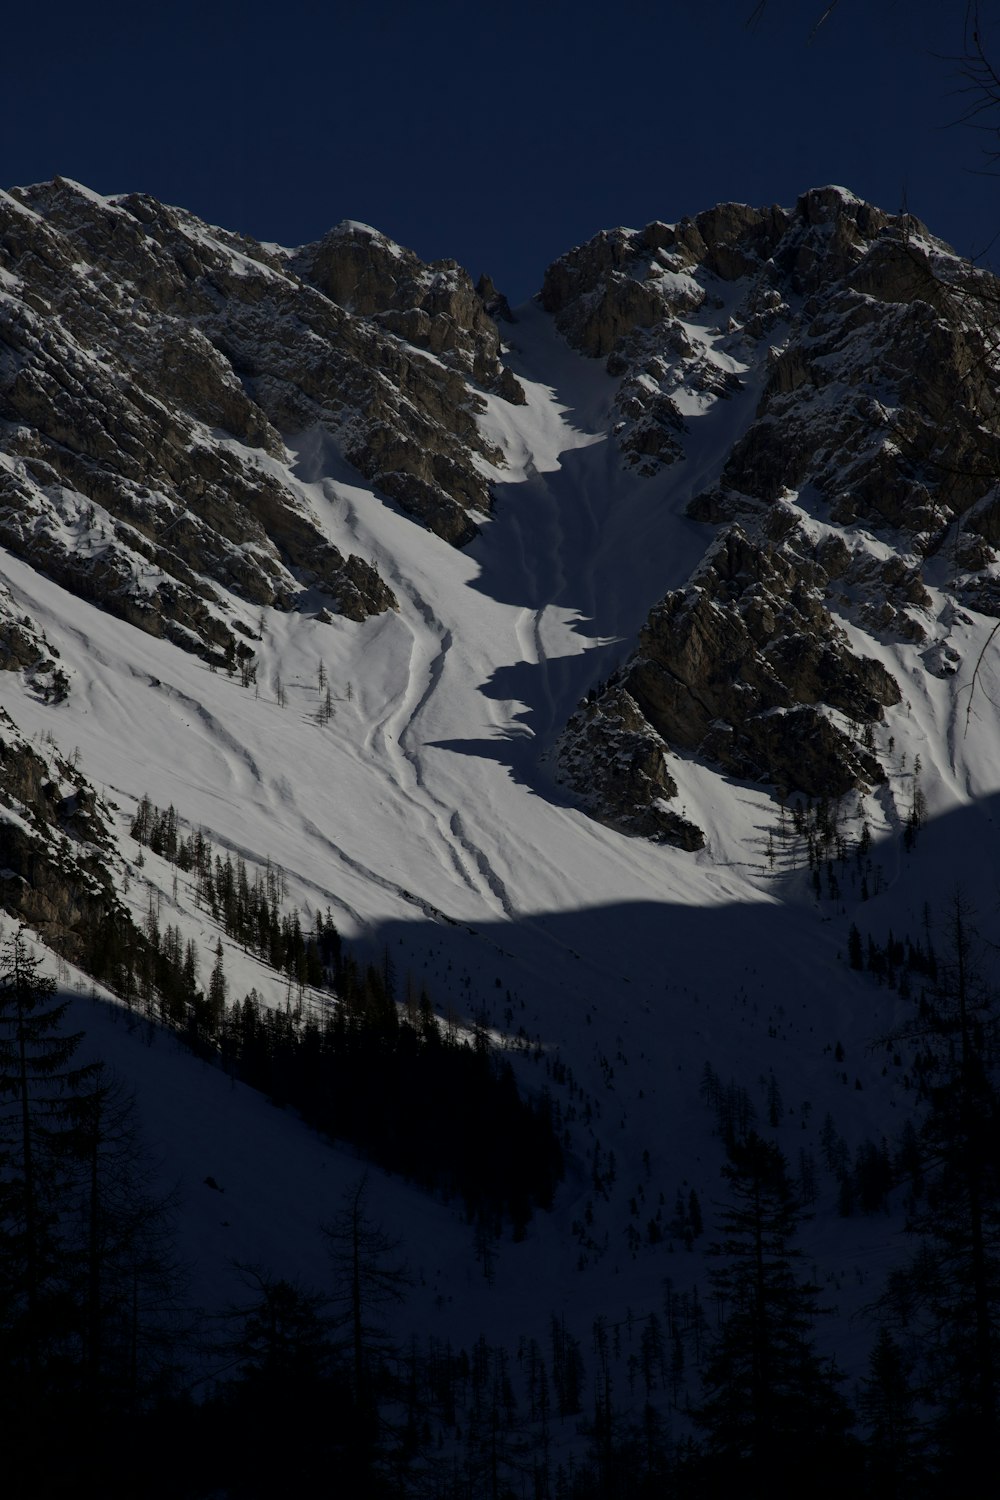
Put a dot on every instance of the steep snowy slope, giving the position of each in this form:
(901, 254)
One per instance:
(404, 771)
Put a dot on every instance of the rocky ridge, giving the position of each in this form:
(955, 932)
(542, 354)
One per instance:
(433, 307)
(152, 368)
(149, 366)
(24, 648)
(57, 851)
(860, 491)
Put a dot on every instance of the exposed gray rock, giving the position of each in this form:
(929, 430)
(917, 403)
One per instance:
(618, 764)
(149, 365)
(494, 301)
(879, 417)
(432, 306)
(55, 848)
(120, 481)
(742, 667)
(879, 398)
(743, 661)
(23, 648)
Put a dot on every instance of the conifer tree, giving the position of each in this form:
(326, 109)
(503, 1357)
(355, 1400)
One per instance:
(42, 1103)
(217, 991)
(773, 1417)
(948, 1297)
(130, 1283)
(886, 1405)
(283, 1341)
(367, 1277)
(88, 1287)
(282, 1421)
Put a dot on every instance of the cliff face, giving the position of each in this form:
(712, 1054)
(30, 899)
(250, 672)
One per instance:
(150, 364)
(433, 307)
(843, 361)
(56, 850)
(856, 499)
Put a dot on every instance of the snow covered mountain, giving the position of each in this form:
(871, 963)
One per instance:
(596, 666)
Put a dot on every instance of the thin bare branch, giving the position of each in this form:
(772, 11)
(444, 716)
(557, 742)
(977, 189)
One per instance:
(975, 677)
(756, 15)
(823, 18)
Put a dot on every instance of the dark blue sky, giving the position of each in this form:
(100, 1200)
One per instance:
(500, 136)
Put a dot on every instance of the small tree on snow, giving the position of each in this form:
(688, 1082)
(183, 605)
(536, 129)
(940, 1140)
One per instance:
(771, 1412)
(367, 1277)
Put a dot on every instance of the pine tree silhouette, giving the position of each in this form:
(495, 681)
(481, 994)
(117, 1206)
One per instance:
(772, 1414)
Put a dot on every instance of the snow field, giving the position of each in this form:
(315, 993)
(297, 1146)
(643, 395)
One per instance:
(424, 815)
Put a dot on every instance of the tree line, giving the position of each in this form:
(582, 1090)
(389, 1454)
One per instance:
(434, 1102)
(91, 1317)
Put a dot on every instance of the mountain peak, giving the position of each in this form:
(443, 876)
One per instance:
(607, 691)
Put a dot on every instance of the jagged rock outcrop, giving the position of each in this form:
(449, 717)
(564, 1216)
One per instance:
(884, 405)
(744, 667)
(881, 398)
(882, 344)
(618, 763)
(861, 477)
(23, 648)
(134, 463)
(150, 364)
(818, 386)
(495, 303)
(55, 850)
(433, 307)
(618, 296)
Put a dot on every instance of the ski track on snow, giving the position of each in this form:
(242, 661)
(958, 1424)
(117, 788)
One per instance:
(580, 548)
(396, 744)
(406, 815)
